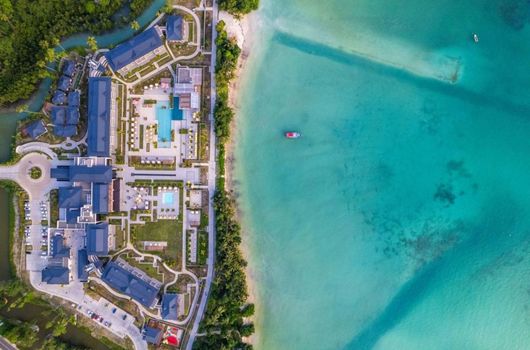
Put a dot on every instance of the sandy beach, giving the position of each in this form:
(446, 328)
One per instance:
(244, 32)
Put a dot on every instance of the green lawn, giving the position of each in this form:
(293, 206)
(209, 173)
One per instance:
(163, 230)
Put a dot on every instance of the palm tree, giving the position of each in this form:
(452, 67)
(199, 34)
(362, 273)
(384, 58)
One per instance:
(23, 108)
(92, 43)
(135, 25)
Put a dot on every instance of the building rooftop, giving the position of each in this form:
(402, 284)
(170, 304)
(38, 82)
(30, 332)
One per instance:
(169, 309)
(64, 83)
(99, 90)
(134, 48)
(69, 68)
(70, 197)
(127, 283)
(153, 335)
(70, 202)
(100, 198)
(174, 27)
(97, 239)
(59, 250)
(35, 129)
(74, 98)
(59, 97)
(82, 262)
(65, 131)
(94, 174)
(56, 275)
(62, 115)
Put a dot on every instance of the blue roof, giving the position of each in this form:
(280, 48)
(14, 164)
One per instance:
(64, 83)
(74, 98)
(127, 283)
(169, 307)
(82, 262)
(100, 198)
(72, 215)
(62, 115)
(99, 116)
(95, 174)
(59, 250)
(152, 335)
(70, 202)
(65, 131)
(35, 129)
(61, 173)
(174, 27)
(70, 197)
(56, 275)
(97, 239)
(59, 97)
(133, 49)
(69, 68)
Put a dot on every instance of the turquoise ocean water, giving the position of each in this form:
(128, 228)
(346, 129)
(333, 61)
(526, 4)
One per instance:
(401, 218)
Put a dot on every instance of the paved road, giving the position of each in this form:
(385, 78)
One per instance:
(211, 188)
(5, 345)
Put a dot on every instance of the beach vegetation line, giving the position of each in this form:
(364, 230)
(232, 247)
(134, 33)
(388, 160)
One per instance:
(223, 323)
(238, 7)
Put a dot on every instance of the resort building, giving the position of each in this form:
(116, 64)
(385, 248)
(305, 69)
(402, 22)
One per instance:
(59, 97)
(34, 129)
(69, 68)
(99, 114)
(70, 203)
(64, 83)
(82, 265)
(132, 282)
(136, 52)
(58, 249)
(97, 239)
(176, 29)
(74, 98)
(187, 91)
(90, 194)
(153, 335)
(171, 307)
(65, 120)
(56, 275)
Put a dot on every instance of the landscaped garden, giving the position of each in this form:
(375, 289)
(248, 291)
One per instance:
(169, 231)
(35, 173)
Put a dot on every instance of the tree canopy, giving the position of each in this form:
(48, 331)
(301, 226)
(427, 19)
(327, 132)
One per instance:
(29, 29)
(238, 7)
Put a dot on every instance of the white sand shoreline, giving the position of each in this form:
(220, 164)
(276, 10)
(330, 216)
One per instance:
(244, 34)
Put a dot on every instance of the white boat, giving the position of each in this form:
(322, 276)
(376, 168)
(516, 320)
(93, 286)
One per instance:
(292, 135)
(475, 37)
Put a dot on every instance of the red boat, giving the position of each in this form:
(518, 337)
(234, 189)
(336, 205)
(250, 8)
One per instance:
(292, 135)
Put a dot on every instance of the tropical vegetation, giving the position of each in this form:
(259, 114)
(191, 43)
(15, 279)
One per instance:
(30, 29)
(223, 321)
(238, 7)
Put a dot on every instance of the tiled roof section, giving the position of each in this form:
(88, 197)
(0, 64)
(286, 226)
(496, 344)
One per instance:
(99, 90)
(129, 284)
(56, 275)
(97, 237)
(174, 27)
(131, 50)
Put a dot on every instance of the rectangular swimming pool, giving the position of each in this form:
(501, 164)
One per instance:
(163, 115)
(167, 198)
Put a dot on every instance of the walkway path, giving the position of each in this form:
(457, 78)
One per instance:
(6, 345)
(211, 188)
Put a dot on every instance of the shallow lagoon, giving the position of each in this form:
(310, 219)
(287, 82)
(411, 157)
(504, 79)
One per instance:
(400, 219)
